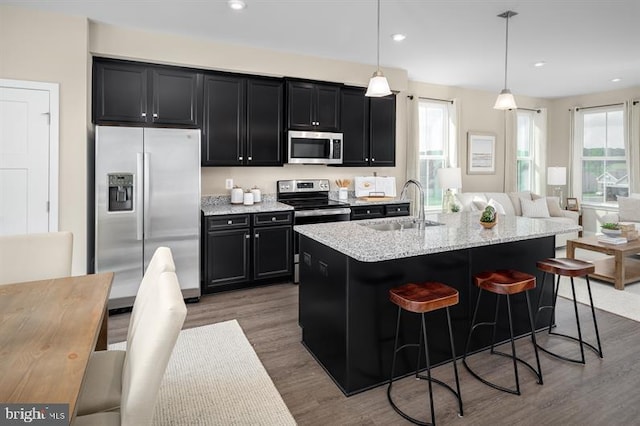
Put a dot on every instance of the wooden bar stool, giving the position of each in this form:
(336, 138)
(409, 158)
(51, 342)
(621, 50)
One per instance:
(568, 268)
(419, 299)
(504, 282)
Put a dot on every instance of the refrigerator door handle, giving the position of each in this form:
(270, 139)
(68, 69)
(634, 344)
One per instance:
(138, 196)
(147, 193)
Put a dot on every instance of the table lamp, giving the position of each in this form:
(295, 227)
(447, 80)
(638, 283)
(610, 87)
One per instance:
(449, 178)
(557, 176)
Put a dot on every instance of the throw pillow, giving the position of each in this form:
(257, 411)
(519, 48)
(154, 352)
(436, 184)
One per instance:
(496, 205)
(553, 204)
(534, 208)
(504, 200)
(479, 203)
(515, 200)
(629, 209)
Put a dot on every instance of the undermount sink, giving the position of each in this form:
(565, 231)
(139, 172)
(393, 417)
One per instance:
(397, 226)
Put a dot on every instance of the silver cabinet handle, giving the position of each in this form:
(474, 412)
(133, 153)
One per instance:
(373, 159)
(240, 158)
(366, 159)
(257, 235)
(229, 222)
(144, 114)
(273, 219)
(249, 158)
(368, 211)
(155, 115)
(247, 236)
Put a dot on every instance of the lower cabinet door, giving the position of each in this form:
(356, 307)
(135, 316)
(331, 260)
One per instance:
(272, 251)
(228, 253)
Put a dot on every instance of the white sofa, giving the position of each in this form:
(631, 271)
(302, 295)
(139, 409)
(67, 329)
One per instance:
(512, 204)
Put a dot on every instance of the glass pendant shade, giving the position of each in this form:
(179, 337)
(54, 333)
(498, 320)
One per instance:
(378, 86)
(505, 100)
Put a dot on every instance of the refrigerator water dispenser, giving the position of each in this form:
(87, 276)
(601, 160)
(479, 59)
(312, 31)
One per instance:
(120, 192)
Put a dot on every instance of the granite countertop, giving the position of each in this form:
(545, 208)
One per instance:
(459, 231)
(221, 205)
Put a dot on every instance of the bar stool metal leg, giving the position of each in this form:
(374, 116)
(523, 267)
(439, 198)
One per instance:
(513, 355)
(551, 324)
(423, 340)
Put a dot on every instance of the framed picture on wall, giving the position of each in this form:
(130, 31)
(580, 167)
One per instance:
(481, 153)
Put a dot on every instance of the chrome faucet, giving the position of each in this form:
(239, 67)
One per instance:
(421, 217)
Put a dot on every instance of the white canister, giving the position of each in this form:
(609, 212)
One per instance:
(248, 199)
(237, 196)
(343, 193)
(257, 195)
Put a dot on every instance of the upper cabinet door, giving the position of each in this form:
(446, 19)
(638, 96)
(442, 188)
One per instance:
(120, 92)
(301, 105)
(313, 107)
(265, 121)
(382, 128)
(223, 127)
(175, 96)
(354, 111)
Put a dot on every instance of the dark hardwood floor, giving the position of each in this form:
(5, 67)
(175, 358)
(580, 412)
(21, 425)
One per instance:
(605, 391)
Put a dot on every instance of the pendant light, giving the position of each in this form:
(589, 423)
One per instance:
(378, 85)
(505, 98)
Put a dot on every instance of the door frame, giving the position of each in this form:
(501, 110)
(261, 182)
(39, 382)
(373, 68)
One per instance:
(54, 129)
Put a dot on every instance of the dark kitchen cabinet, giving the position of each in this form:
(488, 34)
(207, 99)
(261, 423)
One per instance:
(138, 93)
(227, 251)
(245, 250)
(243, 121)
(374, 211)
(369, 129)
(272, 245)
(313, 106)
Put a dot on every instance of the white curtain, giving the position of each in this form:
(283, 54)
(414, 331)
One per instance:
(510, 150)
(573, 161)
(540, 148)
(633, 117)
(453, 109)
(413, 146)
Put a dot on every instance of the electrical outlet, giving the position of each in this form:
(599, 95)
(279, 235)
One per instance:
(228, 183)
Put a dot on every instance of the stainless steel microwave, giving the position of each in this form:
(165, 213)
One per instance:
(314, 147)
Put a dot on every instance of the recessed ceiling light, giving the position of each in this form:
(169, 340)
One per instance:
(615, 80)
(398, 37)
(539, 64)
(237, 4)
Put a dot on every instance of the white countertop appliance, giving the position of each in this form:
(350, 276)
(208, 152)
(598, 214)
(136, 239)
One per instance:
(147, 195)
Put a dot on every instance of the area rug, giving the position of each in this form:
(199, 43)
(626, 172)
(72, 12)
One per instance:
(625, 303)
(214, 377)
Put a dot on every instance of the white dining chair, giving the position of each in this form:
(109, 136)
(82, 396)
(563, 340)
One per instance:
(102, 390)
(145, 360)
(32, 257)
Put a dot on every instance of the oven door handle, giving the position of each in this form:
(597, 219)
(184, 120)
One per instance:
(321, 212)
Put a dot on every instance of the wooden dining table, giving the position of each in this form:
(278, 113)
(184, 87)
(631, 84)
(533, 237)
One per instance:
(48, 330)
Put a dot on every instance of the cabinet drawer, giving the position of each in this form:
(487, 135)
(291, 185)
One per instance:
(272, 218)
(227, 222)
(367, 212)
(397, 209)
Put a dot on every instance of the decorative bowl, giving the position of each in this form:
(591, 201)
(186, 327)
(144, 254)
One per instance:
(488, 225)
(611, 232)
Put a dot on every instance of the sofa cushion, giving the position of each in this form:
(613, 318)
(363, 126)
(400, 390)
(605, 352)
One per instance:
(466, 200)
(504, 201)
(515, 200)
(553, 204)
(534, 208)
(629, 209)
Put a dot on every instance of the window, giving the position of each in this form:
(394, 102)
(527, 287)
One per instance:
(525, 155)
(600, 148)
(436, 147)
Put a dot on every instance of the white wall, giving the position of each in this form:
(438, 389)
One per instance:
(47, 47)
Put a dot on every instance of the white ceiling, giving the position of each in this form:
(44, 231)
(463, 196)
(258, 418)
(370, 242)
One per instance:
(585, 43)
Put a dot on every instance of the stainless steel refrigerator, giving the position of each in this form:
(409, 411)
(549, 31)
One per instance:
(147, 195)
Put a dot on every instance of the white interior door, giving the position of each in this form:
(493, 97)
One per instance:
(24, 160)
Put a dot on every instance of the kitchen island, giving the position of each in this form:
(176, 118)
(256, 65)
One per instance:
(347, 269)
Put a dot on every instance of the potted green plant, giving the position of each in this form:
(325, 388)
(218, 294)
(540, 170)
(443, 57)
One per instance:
(611, 229)
(489, 217)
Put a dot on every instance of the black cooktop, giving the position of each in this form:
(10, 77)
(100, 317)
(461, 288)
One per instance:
(313, 203)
